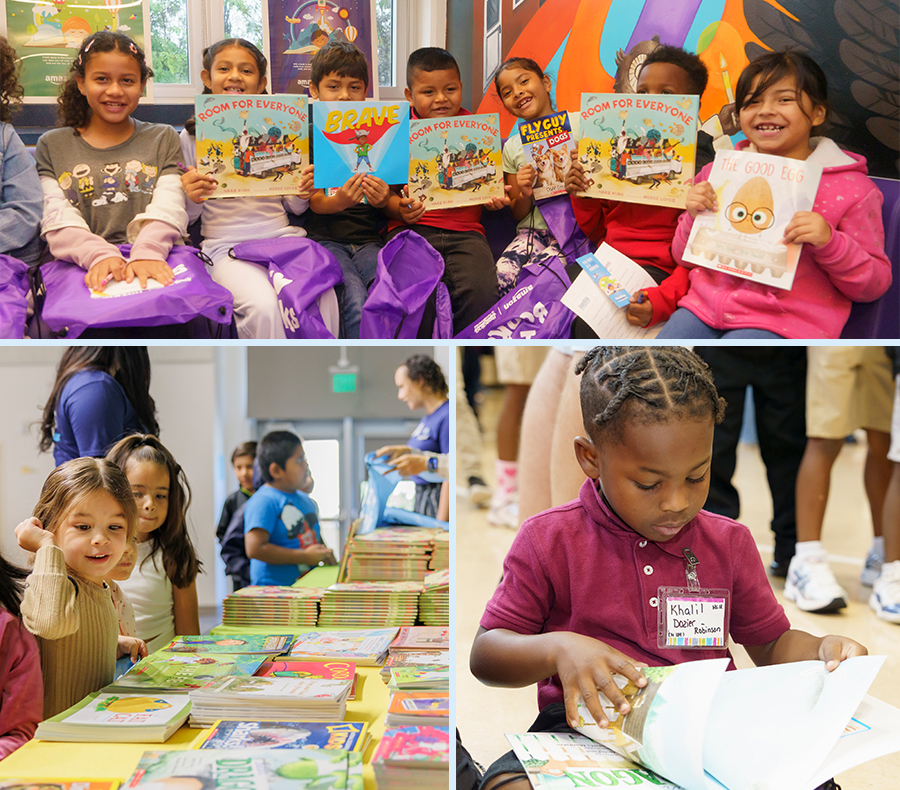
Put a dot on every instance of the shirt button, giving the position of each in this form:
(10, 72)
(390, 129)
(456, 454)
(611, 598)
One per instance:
(642, 543)
(648, 569)
(654, 602)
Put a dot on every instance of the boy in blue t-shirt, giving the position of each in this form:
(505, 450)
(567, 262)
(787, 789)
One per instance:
(281, 523)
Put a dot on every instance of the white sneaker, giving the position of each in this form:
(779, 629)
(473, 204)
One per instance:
(479, 492)
(885, 597)
(504, 514)
(872, 569)
(811, 585)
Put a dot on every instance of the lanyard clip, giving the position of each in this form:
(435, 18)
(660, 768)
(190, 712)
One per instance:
(691, 570)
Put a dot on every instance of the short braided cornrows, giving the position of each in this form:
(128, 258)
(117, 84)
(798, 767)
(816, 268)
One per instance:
(645, 384)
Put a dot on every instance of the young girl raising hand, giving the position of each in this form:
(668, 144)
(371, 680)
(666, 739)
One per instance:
(79, 530)
(582, 582)
(162, 588)
(108, 178)
(782, 99)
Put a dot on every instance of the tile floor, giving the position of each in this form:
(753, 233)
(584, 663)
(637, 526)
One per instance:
(484, 714)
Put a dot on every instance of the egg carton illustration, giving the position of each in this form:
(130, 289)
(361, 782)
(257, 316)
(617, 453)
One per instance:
(732, 250)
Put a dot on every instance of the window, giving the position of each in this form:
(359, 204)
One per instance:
(243, 19)
(384, 41)
(169, 34)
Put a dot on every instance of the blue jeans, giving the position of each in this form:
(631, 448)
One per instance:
(358, 262)
(684, 325)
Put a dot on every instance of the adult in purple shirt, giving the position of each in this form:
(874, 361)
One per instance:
(101, 394)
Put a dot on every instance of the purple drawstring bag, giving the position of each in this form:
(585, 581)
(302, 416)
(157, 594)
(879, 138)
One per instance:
(560, 218)
(13, 297)
(532, 310)
(300, 271)
(407, 292)
(69, 306)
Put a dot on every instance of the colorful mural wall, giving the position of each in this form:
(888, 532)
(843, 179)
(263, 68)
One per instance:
(583, 44)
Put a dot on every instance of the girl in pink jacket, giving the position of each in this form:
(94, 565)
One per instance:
(782, 98)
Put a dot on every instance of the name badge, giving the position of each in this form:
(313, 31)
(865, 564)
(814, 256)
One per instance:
(693, 618)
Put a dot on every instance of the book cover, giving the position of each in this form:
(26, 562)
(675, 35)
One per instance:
(252, 145)
(639, 148)
(455, 161)
(416, 638)
(548, 144)
(183, 671)
(367, 647)
(369, 137)
(329, 670)
(420, 703)
(347, 735)
(414, 745)
(309, 690)
(242, 643)
(758, 196)
(274, 769)
(411, 678)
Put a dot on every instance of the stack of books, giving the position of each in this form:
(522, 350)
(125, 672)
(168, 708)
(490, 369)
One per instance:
(330, 670)
(419, 708)
(269, 644)
(412, 758)
(440, 554)
(272, 606)
(370, 604)
(165, 671)
(389, 554)
(434, 602)
(118, 718)
(366, 647)
(420, 647)
(435, 678)
(269, 698)
(352, 736)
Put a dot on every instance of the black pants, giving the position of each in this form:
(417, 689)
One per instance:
(469, 271)
(778, 378)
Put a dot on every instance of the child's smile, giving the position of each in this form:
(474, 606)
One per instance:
(523, 93)
(92, 536)
(112, 86)
(234, 70)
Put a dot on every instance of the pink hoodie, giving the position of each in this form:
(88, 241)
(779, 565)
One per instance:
(21, 685)
(852, 267)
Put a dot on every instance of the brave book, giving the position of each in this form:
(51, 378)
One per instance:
(758, 196)
(639, 148)
(455, 161)
(368, 137)
(548, 144)
(252, 145)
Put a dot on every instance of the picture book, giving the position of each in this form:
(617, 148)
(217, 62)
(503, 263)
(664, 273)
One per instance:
(119, 718)
(252, 145)
(347, 735)
(417, 638)
(426, 678)
(417, 707)
(757, 197)
(455, 161)
(366, 647)
(27, 783)
(167, 671)
(368, 137)
(639, 148)
(683, 727)
(602, 291)
(274, 769)
(414, 744)
(548, 144)
(273, 644)
(337, 670)
(430, 659)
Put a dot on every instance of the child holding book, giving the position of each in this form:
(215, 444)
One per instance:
(782, 99)
(21, 686)
(346, 221)
(281, 523)
(434, 89)
(163, 586)
(79, 529)
(581, 583)
(236, 66)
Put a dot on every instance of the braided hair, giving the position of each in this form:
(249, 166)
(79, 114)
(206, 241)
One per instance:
(645, 384)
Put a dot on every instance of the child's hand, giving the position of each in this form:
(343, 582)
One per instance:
(351, 192)
(807, 227)
(411, 209)
(525, 180)
(639, 313)
(497, 203)
(376, 191)
(32, 535)
(585, 666)
(320, 553)
(103, 271)
(834, 649)
(130, 646)
(158, 270)
(307, 176)
(197, 185)
(701, 197)
(576, 180)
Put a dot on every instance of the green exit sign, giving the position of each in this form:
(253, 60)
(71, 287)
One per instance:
(343, 382)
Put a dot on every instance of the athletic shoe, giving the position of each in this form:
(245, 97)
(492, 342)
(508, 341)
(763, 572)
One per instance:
(885, 597)
(504, 514)
(479, 492)
(811, 585)
(872, 569)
